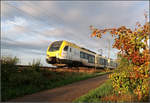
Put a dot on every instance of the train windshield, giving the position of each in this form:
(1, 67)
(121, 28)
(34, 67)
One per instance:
(55, 46)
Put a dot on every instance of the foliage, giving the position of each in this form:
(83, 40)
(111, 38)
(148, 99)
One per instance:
(8, 67)
(21, 81)
(133, 45)
(95, 95)
(36, 65)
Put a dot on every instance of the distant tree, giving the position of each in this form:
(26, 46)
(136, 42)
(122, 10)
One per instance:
(133, 47)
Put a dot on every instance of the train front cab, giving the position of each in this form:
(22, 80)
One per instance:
(59, 53)
(53, 52)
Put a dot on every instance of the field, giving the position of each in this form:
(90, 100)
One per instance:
(17, 82)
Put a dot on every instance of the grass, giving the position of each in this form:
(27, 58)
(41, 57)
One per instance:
(95, 95)
(16, 82)
(104, 93)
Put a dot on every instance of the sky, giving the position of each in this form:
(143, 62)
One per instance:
(29, 27)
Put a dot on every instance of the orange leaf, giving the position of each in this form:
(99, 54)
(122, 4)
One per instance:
(93, 34)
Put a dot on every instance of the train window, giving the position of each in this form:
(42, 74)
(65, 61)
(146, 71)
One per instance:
(81, 55)
(66, 48)
(111, 63)
(105, 62)
(91, 59)
(55, 46)
(86, 56)
(101, 61)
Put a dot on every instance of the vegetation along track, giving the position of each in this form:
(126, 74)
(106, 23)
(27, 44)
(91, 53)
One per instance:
(64, 69)
(65, 93)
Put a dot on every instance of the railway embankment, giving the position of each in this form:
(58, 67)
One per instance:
(65, 69)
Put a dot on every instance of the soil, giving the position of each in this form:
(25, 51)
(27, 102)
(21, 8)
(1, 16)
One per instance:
(65, 93)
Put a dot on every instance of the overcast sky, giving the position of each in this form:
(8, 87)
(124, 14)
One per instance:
(28, 27)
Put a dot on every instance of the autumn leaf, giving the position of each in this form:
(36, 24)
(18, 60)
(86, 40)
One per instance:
(132, 45)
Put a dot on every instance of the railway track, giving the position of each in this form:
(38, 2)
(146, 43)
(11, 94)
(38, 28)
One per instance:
(29, 66)
(64, 69)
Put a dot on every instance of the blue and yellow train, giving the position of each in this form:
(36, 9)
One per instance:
(64, 53)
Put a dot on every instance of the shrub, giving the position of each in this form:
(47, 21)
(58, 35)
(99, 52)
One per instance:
(132, 73)
(36, 65)
(8, 67)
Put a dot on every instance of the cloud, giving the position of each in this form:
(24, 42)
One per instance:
(14, 28)
(30, 26)
(6, 10)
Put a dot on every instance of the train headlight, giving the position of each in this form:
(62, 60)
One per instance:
(108, 60)
(47, 57)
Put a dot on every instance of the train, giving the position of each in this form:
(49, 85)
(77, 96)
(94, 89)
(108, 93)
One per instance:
(64, 53)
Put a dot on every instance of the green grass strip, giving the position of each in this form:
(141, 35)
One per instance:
(95, 95)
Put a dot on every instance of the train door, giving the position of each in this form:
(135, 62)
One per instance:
(74, 54)
(65, 52)
(105, 63)
(70, 53)
(96, 60)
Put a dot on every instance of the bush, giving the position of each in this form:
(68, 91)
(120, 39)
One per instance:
(126, 79)
(133, 46)
(8, 67)
(36, 65)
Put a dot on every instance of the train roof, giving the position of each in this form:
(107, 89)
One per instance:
(81, 47)
(88, 50)
(85, 49)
